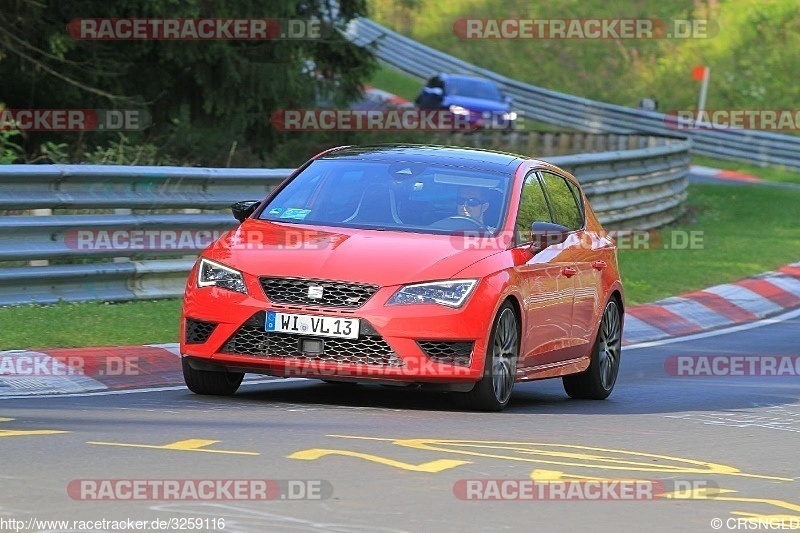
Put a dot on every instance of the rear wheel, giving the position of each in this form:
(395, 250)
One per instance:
(210, 382)
(493, 391)
(597, 381)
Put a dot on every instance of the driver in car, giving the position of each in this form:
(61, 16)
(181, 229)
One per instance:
(472, 203)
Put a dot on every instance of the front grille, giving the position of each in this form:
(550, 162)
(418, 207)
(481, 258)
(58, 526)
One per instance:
(334, 293)
(252, 339)
(197, 331)
(448, 352)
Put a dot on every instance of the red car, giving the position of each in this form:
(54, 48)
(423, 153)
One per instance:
(459, 269)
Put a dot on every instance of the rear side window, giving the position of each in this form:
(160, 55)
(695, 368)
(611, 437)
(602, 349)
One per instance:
(563, 202)
(532, 207)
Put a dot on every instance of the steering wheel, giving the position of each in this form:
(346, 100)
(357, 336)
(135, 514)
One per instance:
(457, 218)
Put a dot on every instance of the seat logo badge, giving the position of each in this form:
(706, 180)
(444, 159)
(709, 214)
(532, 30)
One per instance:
(315, 291)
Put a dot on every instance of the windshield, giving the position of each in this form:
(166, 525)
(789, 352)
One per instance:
(474, 89)
(394, 195)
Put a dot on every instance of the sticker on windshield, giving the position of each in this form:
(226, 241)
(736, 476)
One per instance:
(295, 213)
(276, 211)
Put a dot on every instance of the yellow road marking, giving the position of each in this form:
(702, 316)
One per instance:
(430, 467)
(776, 517)
(768, 501)
(579, 456)
(189, 445)
(576, 456)
(543, 476)
(25, 433)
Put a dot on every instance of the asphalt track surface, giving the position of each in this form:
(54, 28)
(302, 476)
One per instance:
(387, 459)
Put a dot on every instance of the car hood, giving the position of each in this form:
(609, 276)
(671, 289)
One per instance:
(475, 104)
(260, 247)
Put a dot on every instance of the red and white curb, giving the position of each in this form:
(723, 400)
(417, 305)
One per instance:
(120, 368)
(385, 98)
(731, 175)
(77, 370)
(745, 300)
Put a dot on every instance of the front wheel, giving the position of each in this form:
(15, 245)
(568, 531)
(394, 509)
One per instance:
(493, 391)
(597, 381)
(210, 382)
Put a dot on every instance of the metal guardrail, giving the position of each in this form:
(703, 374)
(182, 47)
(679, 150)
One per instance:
(109, 186)
(640, 183)
(420, 61)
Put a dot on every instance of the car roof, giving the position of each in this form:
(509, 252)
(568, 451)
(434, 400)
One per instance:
(474, 158)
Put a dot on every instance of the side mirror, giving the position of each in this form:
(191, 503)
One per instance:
(242, 210)
(544, 234)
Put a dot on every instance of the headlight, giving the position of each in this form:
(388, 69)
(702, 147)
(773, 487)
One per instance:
(458, 110)
(212, 274)
(510, 116)
(447, 293)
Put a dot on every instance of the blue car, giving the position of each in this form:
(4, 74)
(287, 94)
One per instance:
(478, 98)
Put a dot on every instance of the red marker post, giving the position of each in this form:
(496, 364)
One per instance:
(701, 73)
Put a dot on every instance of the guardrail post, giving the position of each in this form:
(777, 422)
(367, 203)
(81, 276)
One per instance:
(534, 146)
(40, 213)
(122, 211)
(564, 143)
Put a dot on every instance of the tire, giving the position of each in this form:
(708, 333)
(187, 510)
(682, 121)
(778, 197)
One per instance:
(210, 382)
(597, 381)
(493, 391)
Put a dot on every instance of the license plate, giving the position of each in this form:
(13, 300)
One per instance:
(325, 326)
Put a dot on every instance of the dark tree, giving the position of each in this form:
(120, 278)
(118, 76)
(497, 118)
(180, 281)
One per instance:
(202, 95)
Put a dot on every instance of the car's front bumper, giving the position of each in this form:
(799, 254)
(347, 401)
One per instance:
(388, 347)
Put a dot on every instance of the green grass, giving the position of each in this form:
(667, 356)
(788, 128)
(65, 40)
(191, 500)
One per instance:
(89, 324)
(396, 83)
(746, 230)
(783, 175)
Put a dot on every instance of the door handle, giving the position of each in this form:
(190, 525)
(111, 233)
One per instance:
(569, 271)
(599, 265)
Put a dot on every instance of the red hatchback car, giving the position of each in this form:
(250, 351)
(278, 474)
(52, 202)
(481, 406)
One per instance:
(453, 268)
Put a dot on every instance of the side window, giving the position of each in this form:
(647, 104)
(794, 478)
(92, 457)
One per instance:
(532, 207)
(576, 193)
(562, 202)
